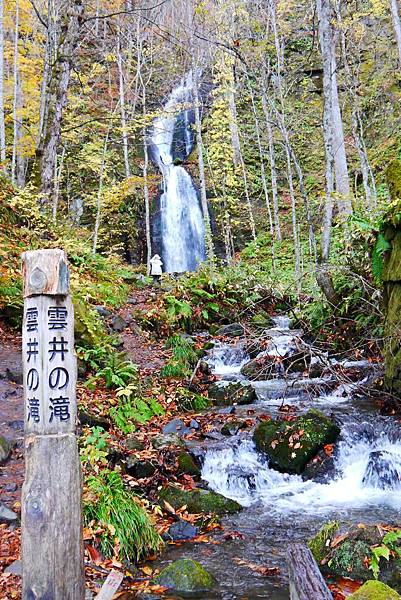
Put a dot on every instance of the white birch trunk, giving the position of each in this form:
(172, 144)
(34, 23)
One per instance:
(2, 123)
(16, 87)
(122, 106)
(332, 118)
(201, 165)
(395, 13)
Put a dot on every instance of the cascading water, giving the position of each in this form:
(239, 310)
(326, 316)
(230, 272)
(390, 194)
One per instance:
(182, 223)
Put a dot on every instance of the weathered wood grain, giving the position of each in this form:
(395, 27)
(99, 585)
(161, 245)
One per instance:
(306, 581)
(49, 365)
(52, 552)
(52, 547)
(45, 272)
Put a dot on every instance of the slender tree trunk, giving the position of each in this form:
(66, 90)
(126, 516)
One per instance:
(146, 186)
(122, 106)
(16, 98)
(273, 171)
(201, 165)
(395, 13)
(235, 139)
(2, 122)
(332, 118)
(67, 43)
(297, 249)
(100, 194)
(57, 175)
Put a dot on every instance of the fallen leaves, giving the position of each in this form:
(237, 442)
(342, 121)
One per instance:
(264, 571)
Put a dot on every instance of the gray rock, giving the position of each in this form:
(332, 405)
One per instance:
(5, 449)
(176, 426)
(15, 375)
(182, 530)
(10, 487)
(133, 443)
(194, 425)
(232, 330)
(88, 595)
(7, 516)
(102, 311)
(233, 427)
(233, 393)
(86, 418)
(118, 324)
(15, 568)
(17, 425)
(170, 439)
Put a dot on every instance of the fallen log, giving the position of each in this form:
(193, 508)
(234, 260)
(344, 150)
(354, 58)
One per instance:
(305, 579)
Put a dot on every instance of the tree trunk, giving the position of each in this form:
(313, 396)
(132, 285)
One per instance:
(122, 106)
(201, 164)
(100, 193)
(395, 13)
(70, 27)
(16, 98)
(332, 121)
(2, 123)
(273, 171)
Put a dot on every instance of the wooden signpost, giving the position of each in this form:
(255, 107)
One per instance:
(52, 547)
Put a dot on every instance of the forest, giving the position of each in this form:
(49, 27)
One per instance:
(224, 178)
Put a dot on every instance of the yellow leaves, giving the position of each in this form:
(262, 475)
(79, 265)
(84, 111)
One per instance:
(379, 7)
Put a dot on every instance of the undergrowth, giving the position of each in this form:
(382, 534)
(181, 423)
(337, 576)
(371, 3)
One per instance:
(126, 529)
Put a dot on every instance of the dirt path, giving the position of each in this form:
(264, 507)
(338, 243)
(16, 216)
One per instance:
(11, 415)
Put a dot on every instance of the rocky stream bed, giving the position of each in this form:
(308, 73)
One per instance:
(275, 500)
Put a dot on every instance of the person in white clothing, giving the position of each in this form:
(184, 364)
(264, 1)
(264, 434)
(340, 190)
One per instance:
(156, 270)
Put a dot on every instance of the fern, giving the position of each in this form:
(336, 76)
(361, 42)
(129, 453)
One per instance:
(381, 247)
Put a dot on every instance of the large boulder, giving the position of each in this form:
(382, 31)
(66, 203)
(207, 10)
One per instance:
(289, 445)
(186, 576)
(351, 556)
(375, 590)
(198, 501)
(232, 393)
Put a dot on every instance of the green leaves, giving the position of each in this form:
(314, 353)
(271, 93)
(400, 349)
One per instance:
(381, 247)
(385, 550)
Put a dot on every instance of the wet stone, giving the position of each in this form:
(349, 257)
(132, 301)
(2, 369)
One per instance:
(10, 487)
(15, 376)
(182, 530)
(176, 426)
(7, 516)
(232, 330)
(118, 324)
(17, 425)
(15, 568)
(186, 576)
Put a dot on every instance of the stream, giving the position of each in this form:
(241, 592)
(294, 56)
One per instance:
(362, 485)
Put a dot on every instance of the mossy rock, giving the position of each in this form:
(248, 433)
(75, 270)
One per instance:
(375, 590)
(392, 264)
(5, 449)
(187, 464)
(320, 544)
(232, 330)
(233, 427)
(89, 330)
(350, 560)
(392, 350)
(233, 393)
(290, 445)
(186, 576)
(199, 501)
(393, 179)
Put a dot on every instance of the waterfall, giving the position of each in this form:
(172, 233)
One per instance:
(182, 224)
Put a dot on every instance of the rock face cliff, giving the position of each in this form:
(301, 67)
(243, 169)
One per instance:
(392, 282)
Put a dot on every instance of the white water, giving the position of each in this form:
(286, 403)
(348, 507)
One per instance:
(227, 360)
(242, 474)
(367, 460)
(182, 224)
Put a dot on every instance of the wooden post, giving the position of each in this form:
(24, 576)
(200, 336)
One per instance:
(305, 578)
(52, 546)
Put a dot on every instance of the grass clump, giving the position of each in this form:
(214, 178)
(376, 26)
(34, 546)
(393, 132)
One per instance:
(126, 527)
(183, 360)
